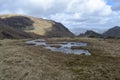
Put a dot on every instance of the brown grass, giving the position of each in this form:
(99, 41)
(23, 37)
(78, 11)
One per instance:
(19, 61)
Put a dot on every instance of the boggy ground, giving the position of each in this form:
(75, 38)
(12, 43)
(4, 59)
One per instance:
(19, 61)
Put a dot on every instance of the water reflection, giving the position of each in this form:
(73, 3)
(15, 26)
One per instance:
(64, 47)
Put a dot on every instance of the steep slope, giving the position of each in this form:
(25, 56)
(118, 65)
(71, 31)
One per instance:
(38, 26)
(9, 32)
(113, 32)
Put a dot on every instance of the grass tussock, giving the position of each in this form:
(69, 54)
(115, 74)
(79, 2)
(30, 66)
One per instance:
(19, 61)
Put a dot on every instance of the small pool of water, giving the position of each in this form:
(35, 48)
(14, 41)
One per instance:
(64, 47)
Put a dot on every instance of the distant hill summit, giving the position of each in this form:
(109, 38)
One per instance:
(113, 32)
(37, 26)
(90, 33)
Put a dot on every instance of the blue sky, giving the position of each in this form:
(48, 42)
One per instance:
(77, 15)
(109, 2)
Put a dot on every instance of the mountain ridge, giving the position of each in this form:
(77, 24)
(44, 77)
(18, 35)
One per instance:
(38, 26)
(113, 32)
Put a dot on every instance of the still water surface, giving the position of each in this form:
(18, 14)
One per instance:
(64, 47)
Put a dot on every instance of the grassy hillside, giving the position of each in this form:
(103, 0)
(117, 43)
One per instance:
(38, 26)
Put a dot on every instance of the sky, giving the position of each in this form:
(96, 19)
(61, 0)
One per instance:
(76, 15)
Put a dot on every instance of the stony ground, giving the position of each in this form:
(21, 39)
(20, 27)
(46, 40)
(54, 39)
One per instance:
(19, 61)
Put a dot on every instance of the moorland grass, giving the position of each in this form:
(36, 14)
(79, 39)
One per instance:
(19, 61)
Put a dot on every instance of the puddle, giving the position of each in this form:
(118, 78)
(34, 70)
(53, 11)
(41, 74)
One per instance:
(64, 47)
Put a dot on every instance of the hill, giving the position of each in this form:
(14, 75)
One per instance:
(90, 33)
(38, 26)
(9, 32)
(113, 32)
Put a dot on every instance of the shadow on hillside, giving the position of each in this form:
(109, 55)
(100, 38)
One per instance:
(25, 23)
(19, 22)
(58, 30)
(13, 28)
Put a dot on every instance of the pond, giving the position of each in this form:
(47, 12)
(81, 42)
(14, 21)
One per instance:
(64, 47)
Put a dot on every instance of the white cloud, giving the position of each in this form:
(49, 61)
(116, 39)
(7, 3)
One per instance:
(89, 7)
(41, 4)
(85, 14)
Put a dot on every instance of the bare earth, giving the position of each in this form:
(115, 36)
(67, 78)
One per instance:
(19, 61)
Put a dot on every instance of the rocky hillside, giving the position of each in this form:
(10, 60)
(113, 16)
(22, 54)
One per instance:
(37, 26)
(11, 33)
(90, 33)
(113, 32)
